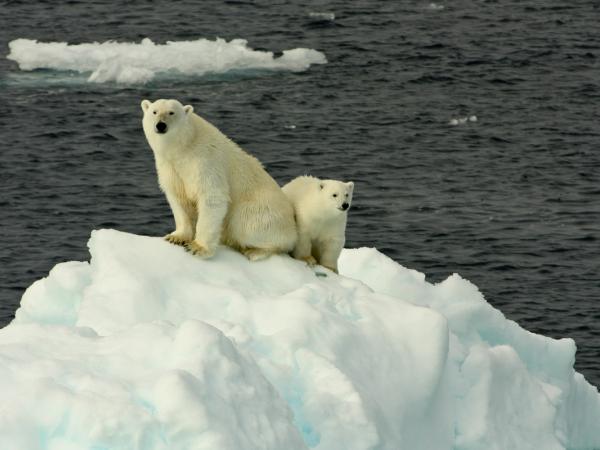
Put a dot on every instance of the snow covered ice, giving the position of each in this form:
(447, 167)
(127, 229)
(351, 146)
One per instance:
(130, 62)
(147, 347)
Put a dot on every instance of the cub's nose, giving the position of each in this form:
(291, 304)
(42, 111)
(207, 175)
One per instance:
(345, 206)
(161, 127)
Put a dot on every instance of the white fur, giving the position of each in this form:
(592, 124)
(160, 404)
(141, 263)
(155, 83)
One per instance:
(218, 193)
(321, 221)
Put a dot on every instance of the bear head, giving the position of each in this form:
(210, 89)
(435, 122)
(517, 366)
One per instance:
(336, 196)
(163, 117)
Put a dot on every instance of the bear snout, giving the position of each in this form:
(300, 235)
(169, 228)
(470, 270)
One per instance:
(345, 206)
(161, 127)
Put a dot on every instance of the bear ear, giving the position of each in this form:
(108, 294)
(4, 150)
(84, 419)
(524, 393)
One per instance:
(188, 109)
(145, 105)
(350, 185)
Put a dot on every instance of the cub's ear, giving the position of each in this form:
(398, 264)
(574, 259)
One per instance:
(350, 185)
(145, 105)
(188, 109)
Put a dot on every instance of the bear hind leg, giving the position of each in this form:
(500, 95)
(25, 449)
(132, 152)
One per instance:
(259, 232)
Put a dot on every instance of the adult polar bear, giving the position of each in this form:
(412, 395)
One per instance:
(218, 193)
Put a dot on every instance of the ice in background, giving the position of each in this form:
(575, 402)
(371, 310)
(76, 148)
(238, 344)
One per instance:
(147, 347)
(129, 62)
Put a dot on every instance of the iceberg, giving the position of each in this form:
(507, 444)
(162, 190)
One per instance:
(131, 62)
(147, 347)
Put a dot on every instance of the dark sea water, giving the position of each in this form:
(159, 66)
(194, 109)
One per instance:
(511, 201)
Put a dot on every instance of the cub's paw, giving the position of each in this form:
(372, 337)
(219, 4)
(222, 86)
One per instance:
(256, 254)
(199, 250)
(310, 260)
(176, 239)
(332, 268)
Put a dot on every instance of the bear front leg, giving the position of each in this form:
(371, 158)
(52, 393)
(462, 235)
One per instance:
(211, 212)
(330, 252)
(184, 228)
(303, 248)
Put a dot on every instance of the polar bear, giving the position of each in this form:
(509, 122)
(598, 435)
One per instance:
(218, 193)
(321, 208)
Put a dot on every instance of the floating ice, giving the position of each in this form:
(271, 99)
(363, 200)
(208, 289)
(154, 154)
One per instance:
(128, 62)
(329, 16)
(462, 120)
(147, 347)
(436, 7)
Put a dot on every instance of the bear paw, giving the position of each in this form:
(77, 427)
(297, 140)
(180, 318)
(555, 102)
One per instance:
(310, 260)
(199, 250)
(332, 268)
(256, 254)
(176, 239)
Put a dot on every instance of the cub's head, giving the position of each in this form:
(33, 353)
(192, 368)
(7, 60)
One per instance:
(336, 196)
(163, 117)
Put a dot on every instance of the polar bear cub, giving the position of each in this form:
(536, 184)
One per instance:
(321, 208)
(218, 193)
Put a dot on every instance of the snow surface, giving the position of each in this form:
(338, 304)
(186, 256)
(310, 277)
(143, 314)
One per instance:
(130, 62)
(147, 347)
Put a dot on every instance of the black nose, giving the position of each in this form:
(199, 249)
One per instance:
(161, 127)
(345, 206)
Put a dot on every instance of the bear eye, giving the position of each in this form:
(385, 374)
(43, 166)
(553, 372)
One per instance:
(335, 195)
(346, 195)
(171, 113)
(154, 112)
